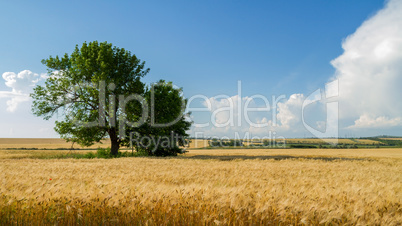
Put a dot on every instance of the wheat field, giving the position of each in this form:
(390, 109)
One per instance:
(396, 138)
(55, 143)
(332, 141)
(214, 187)
(44, 143)
(201, 143)
(198, 143)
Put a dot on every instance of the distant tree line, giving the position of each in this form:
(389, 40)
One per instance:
(225, 143)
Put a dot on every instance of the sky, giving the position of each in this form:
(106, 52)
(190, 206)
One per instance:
(276, 53)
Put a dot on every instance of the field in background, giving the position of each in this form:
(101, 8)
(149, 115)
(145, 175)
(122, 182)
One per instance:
(198, 143)
(204, 186)
(396, 138)
(44, 143)
(395, 153)
(60, 144)
(329, 141)
(204, 143)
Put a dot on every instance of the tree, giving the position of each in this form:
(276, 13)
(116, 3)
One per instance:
(166, 124)
(98, 91)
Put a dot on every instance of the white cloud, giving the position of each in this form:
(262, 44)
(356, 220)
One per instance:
(370, 70)
(21, 85)
(21, 82)
(13, 103)
(289, 112)
(366, 121)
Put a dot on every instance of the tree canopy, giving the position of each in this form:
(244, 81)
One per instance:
(98, 93)
(167, 125)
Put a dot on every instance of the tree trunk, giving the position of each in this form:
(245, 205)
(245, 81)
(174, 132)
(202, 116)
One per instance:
(114, 149)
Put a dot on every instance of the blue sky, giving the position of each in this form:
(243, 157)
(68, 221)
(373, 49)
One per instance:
(206, 47)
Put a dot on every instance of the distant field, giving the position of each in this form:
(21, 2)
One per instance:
(42, 143)
(55, 143)
(366, 141)
(336, 153)
(399, 138)
(195, 143)
(331, 141)
(198, 143)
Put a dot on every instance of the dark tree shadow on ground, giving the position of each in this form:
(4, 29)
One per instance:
(274, 157)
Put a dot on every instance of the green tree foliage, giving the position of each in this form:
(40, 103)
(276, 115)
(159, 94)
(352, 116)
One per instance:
(92, 90)
(165, 128)
(225, 143)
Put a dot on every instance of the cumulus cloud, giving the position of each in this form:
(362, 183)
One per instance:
(370, 70)
(366, 121)
(21, 85)
(289, 112)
